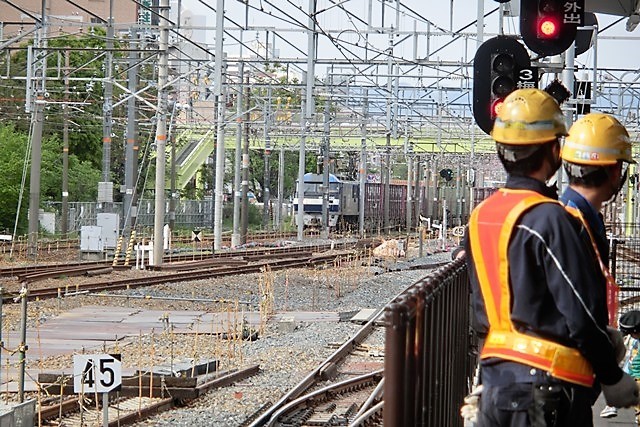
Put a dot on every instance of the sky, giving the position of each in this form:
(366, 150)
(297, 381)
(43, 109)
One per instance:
(445, 14)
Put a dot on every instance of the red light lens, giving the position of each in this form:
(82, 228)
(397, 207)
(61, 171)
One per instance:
(496, 107)
(548, 28)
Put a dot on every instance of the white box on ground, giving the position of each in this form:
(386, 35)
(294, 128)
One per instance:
(91, 239)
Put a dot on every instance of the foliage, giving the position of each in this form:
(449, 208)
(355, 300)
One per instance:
(256, 171)
(83, 178)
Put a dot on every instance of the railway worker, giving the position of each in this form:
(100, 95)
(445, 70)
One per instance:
(538, 297)
(595, 156)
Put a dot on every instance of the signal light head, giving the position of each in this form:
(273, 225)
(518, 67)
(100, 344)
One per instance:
(548, 28)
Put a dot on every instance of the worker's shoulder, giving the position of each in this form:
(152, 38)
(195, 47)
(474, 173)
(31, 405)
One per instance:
(552, 212)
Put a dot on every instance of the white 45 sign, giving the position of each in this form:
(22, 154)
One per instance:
(96, 373)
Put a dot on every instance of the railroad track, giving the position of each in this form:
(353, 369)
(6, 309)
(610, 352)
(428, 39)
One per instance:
(282, 261)
(87, 410)
(12, 271)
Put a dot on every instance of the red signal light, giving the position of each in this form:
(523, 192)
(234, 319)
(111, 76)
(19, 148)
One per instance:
(548, 28)
(496, 106)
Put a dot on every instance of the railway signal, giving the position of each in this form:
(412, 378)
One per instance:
(549, 27)
(501, 65)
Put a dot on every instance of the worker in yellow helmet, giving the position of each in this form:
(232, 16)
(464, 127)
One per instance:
(537, 294)
(595, 155)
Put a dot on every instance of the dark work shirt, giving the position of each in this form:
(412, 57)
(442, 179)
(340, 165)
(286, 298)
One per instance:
(572, 198)
(556, 292)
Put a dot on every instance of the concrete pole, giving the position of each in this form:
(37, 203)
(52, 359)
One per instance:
(325, 172)
(131, 153)
(245, 165)
(266, 190)
(40, 64)
(219, 91)
(161, 134)
(237, 181)
(280, 208)
(363, 163)
(307, 112)
(64, 221)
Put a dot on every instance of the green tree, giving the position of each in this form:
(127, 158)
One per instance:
(83, 177)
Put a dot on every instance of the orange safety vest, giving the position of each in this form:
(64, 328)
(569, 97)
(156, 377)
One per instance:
(496, 216)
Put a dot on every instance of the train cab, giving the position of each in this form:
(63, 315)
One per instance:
(312, 201)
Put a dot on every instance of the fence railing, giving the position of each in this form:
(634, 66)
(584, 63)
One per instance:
(430, 352)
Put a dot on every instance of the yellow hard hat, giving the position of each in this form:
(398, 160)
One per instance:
(597, 139)
(527, 117)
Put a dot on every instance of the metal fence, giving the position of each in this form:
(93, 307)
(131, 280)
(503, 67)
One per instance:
(625, 265)
(430, 352)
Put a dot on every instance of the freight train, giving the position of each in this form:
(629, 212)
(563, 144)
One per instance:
(429, 201)
(344, 203)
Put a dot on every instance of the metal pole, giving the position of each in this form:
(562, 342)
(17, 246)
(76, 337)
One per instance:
(105, 409)
(279, 210)
(107, 101)
(219, 91)
(36, 85)
(409, 176)
(567, 80)
(161, 134)
(363, 163)
(23, 342)
(237, 182)
(266, 191)
(480, 22)
(307, 115)
(325, 172)
(64, 221)
(131, 152)
(245, 165)
(172, 166)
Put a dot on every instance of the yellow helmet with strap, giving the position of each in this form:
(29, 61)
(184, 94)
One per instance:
(528, 117)
(597, 139)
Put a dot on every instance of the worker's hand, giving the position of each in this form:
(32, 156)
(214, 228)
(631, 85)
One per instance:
(618, 343)
(622, 394)
(469, 411)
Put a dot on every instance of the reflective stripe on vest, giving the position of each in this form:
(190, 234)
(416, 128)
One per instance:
(496, 216)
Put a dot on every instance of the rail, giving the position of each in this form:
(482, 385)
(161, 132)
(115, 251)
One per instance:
(429, 357)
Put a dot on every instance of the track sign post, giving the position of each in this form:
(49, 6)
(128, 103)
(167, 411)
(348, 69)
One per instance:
(96, 373)
(501, 65)
(548, 27)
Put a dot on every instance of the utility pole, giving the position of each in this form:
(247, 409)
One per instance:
(131, 149)
(307, 115)
(64, 221)
(325, 172)
(37, 69)
(105, 188)
(266, 190)
(245, 164)
(237, 182)
(219, 91)
(161, 134)
(362, 172)
(279, 214)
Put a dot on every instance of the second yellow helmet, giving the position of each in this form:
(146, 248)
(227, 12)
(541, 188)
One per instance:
(597, 139)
